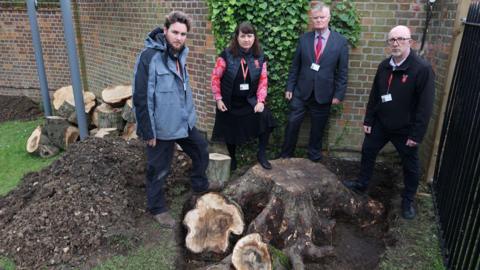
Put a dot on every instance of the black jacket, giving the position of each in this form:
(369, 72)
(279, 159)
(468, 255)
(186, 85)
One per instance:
(233, 65)
(413, 91)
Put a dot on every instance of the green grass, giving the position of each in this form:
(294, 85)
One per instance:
(161, 256)
(14, 159)
(418, 244)
(6, 264)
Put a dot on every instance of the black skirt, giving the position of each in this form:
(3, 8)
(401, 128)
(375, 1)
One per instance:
(240, 123)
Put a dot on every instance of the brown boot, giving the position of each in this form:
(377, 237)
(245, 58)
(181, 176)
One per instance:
(165, 220)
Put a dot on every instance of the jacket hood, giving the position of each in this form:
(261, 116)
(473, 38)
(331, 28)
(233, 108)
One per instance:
(156, 40)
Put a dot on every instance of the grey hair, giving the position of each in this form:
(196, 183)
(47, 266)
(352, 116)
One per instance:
(320, 6)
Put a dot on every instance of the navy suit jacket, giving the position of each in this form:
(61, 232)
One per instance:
(330, 81)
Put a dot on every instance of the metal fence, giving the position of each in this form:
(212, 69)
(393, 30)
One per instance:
(456, 185)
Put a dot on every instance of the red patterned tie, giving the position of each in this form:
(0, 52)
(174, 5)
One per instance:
(318, 49)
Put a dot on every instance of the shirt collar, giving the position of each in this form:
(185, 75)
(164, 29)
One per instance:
(396, 65)
(324, 34)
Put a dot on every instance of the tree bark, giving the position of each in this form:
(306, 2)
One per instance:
(109, 117)
(60, 132)
(218, 170)
(127, 112)
(292, 206)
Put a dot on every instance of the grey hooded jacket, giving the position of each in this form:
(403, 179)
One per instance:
(162, 99)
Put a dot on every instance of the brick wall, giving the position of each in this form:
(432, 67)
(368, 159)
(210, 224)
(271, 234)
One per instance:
(345, 133)
(18, 69)
(110, 35)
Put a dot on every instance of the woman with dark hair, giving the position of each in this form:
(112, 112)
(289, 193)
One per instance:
(239, 85)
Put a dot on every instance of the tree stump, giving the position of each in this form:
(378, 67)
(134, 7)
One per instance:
(292, 206)
(64, 103)
(250, 253)
(60, 132)
(115, 96)
(210, 223)
(39, 144)
(106, 116)
(127, 112)
(218, 170)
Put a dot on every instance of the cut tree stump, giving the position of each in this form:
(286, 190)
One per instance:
(251, 253)
(39, 144)
(115, 96)
(64, 102)
(210, 223)
(218, 170)
(127, 112)
(60, 132)
(292, 206)
(105, 116)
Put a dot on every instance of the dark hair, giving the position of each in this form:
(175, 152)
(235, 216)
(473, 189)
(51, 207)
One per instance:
(246, 28)
(177, 16)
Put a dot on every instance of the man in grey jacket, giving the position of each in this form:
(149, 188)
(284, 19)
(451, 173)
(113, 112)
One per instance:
(165, 113)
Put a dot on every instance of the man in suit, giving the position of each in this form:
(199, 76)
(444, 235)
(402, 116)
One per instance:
(317, 79)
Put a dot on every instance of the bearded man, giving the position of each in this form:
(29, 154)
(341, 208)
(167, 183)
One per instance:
(165, 112)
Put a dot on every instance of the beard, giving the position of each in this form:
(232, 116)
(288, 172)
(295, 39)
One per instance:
(174, 50)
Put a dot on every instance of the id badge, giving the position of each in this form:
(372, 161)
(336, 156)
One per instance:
(315, 66)
(244, 87)
(386, 98)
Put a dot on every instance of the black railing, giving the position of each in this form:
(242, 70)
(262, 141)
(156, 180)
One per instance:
(456, 183)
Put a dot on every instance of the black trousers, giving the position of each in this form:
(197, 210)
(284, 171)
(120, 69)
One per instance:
(159, 159)
(374, 142)
(319, 117)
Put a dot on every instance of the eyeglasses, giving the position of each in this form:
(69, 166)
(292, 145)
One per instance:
(391, 41)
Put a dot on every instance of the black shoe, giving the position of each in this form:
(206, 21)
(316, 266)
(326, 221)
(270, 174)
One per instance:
(264, 162)
(408, 212)
(233, 164)
(355, 185)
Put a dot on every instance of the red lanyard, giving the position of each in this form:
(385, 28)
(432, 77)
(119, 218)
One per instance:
(244, 70)
(389, 82)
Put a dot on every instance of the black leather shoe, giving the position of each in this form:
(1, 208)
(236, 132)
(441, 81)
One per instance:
(355, 185)
(408, 212)
(264, 162)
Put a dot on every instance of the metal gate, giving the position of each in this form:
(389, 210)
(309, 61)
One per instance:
(456, 185)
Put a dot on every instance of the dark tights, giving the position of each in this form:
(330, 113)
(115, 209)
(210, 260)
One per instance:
(262, 147)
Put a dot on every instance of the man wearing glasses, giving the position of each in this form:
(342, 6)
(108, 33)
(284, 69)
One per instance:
(317, 79)
(398, 110)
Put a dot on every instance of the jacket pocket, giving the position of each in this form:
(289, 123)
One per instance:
(164, 87)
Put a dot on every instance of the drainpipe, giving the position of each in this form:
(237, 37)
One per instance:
(74, 70)
(37, 45)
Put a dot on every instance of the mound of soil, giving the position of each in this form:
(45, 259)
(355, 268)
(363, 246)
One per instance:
(77, 208)
(18, 108)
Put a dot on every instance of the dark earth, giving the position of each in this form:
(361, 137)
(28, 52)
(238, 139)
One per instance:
(18, 108)
(79, 210)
